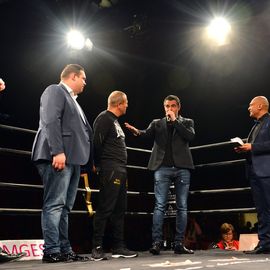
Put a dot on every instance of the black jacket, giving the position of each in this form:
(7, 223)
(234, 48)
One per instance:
(183, 133)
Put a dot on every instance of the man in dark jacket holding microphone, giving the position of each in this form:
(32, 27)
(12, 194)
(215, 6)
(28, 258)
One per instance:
(172, 161)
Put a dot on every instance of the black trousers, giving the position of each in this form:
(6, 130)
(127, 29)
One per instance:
(260, 188)
(112, 204)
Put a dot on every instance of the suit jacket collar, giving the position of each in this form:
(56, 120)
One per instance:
(259, 122)
(69, 94)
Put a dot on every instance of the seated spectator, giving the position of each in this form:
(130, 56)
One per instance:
(255, 228)
(228, 237)
(193, 234)
(246, 228)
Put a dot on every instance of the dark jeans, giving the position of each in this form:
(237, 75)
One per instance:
(60, 189)
(111, 206)
(260, 188)
(164, 176)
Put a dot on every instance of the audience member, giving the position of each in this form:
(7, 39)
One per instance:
(228, 237)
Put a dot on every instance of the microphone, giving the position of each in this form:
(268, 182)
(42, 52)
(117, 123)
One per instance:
(168, 118)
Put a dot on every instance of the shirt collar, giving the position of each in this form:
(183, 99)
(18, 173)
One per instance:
(71, 92)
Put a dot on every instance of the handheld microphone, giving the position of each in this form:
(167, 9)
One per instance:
(168, 118)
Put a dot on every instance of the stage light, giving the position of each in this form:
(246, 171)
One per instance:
(219, 31)
(89, 44)
(75, 40)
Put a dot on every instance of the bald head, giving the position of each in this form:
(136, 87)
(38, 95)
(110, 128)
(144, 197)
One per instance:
(117, 103)
(115, 98)
(258, 107)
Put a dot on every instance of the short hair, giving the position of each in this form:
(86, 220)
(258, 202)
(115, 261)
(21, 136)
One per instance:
(71, 68)
(115, 98)
(263, 101)
(173, 97)
(226, 227)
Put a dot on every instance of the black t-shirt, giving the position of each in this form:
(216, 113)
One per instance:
(109, 142)
(168, 157)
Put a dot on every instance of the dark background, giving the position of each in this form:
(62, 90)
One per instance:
(148, 49)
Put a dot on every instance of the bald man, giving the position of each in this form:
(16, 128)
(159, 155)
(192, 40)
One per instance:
(110, 157)
(257, 149)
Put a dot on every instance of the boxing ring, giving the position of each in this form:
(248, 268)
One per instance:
(218, 184)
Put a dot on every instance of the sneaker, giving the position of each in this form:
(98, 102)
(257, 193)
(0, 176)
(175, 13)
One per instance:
(124, 253)
(53, 258)
(98, 254)
(155, 249)
(181, 249)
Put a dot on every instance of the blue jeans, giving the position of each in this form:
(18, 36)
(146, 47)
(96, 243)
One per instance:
(164, 176)
(60, 189)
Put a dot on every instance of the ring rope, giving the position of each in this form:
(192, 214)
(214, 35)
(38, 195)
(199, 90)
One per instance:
(207, 211)
(88, 191)
(15, 185)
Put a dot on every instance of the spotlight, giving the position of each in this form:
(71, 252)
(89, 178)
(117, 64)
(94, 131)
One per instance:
(89, 44)
(75, 40)
(219, 30)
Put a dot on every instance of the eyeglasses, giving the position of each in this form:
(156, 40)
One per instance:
(229, 233)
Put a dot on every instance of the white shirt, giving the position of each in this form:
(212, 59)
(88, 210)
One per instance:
(74, 97)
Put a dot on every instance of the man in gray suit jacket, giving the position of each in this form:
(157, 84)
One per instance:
(171, 160)
(62, 144)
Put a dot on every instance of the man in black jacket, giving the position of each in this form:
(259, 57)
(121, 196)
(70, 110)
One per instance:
(172, 161)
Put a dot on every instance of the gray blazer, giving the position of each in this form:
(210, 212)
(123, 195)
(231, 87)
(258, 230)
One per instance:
(61, 129)
(182, 135)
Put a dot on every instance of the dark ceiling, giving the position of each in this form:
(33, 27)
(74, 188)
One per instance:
(147, 48)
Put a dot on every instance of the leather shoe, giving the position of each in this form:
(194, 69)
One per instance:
(155, 249)
(53, 258)
(72, 256)
(258, 250)
(7, 257)
(181, 249)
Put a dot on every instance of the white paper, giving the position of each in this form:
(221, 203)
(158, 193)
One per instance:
(237, 140)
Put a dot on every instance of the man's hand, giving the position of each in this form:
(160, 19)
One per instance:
(171, 115)
(246, 147)
(2, 85)
(131, 128)
(59, 161)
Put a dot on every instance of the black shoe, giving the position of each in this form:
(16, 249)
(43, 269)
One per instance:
(155, 249)
(181, 249)
(72, 256)
(123, 253)
(53, 258)
(98, 254)
(258, 250)
(8, 257)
